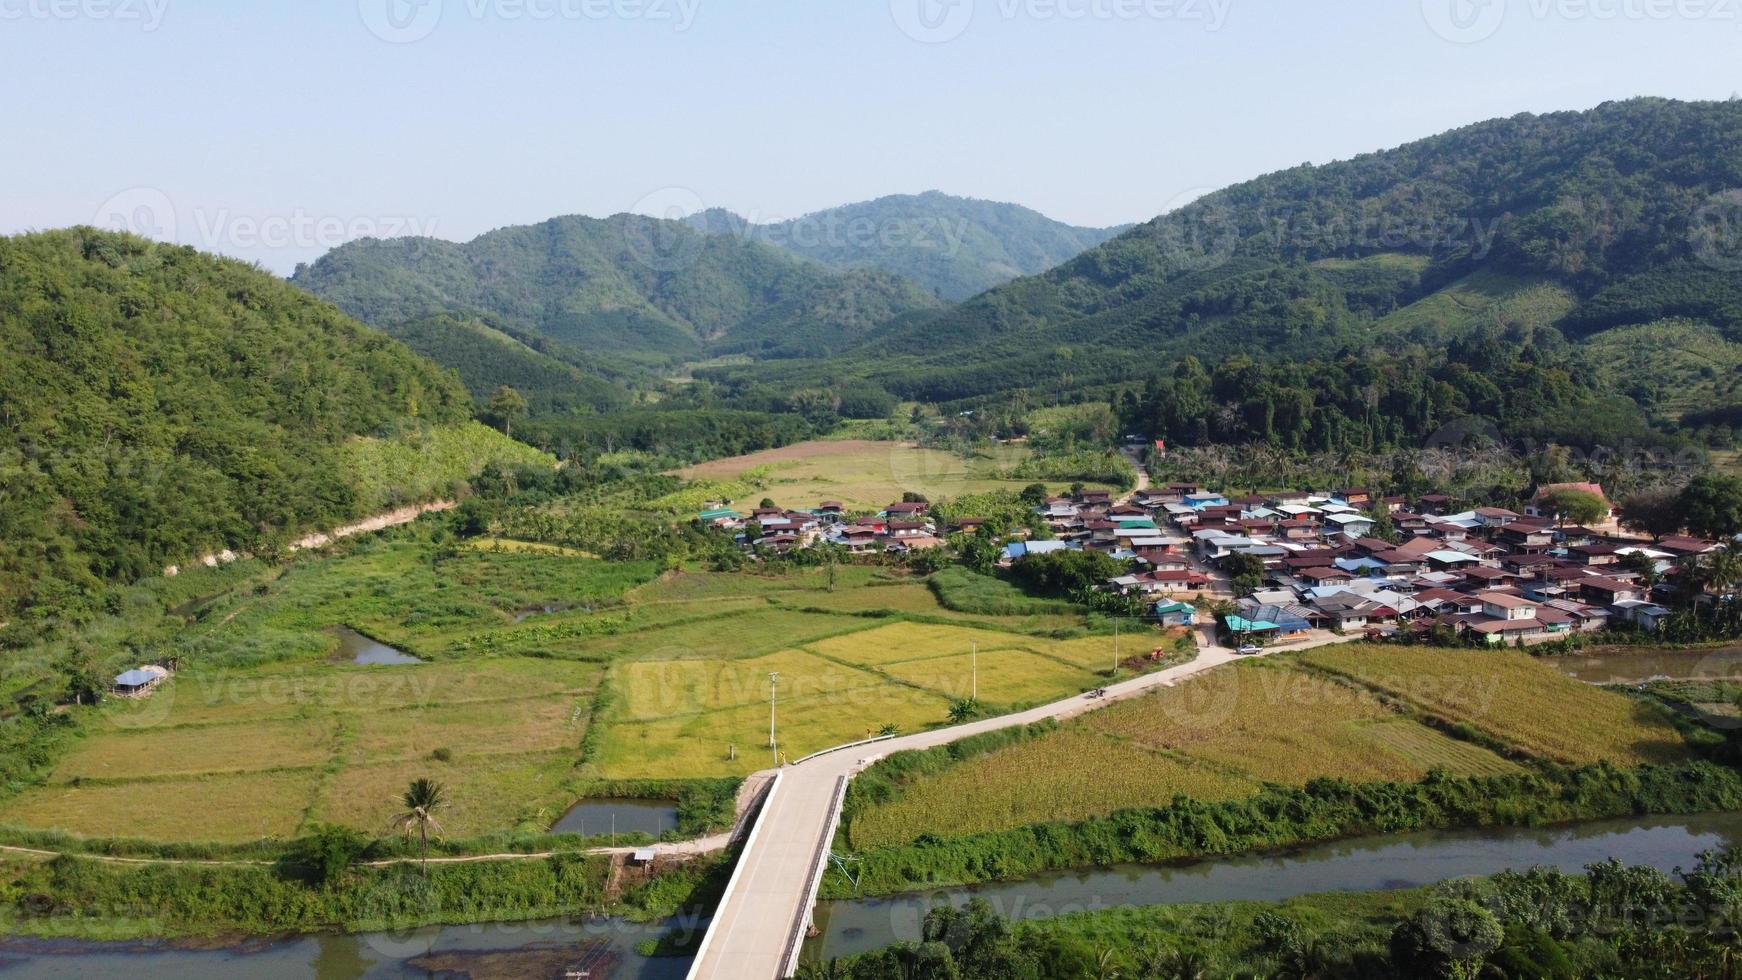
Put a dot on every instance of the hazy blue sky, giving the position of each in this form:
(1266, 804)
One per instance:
(273, 129)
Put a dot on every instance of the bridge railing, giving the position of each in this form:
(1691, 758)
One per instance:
(733, 882)
(819, 865)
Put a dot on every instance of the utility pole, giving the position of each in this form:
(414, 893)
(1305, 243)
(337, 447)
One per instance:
(1115, 646)
(773, 686)
(974, 664)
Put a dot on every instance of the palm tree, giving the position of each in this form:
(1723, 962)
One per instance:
(422, 798)
(1105, 966)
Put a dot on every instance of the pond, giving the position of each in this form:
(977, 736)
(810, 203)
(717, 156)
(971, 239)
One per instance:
(359, 649)
(1636, 665)
(1361, 864)
(596, 817)
(604, 949)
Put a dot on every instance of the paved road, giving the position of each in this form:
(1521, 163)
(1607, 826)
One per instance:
(751, 931)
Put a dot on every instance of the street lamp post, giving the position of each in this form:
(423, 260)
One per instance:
(773, 687)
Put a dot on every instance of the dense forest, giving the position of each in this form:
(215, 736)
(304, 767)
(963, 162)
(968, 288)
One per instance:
(1533, 388)
(158, 404)
(1578, 222)
(955, 247)
(648, 289)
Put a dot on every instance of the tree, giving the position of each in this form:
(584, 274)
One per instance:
(1653, 512)
(1712, 506)
(506, 405)
(1033, 495)
(83, 679)
(421, 800)
(1448, 937)
(325, 853)
(965, 709)
(1578, 506)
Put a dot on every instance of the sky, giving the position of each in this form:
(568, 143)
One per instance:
(275, 130)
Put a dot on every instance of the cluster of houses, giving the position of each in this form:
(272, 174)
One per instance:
(901, 527)
(1489, 573)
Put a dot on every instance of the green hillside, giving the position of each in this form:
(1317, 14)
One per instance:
(487, 358)
(625, 284)
(1600, 206)
(159, 404)
(954, 246)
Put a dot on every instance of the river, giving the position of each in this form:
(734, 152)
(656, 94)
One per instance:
(1360, 864)
(605, 949)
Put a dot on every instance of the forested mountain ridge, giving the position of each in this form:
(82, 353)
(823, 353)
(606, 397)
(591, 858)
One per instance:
(488, 357)
(1571, 222)
(157, 404)
(653, 289)
(954, 246)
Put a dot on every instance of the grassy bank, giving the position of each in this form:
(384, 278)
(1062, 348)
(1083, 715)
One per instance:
(82, 898)
(1324, 809)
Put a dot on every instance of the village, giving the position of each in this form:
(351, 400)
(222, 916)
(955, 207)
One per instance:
(1279, 566)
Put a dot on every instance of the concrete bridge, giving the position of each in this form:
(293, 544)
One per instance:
(766, 910)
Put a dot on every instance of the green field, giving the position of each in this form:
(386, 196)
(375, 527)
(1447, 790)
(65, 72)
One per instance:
(1330, 712)
(1486, 297)
(1678, 367)
(546, 671)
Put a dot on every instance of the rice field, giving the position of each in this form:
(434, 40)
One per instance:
(1006, 677)
(863, 475)
(1519, 700)
(1218, 736)
(1070, 775)
(223, 809)
(236, 755)
(518, 642)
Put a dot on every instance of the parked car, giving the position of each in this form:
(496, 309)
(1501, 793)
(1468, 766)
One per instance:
(1249, 649)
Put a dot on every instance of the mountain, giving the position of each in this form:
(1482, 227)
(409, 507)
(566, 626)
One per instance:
(648, 289)
(954, 246)
(157, 404)
(1575, 222)
(553, 380)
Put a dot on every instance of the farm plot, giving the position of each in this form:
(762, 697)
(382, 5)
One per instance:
(734, 740)
(864, 475)
(1218, 736)
(651, 689)
(1514, 698)
(1070, 775)
(1006, 677)
(233, 755)
(485, 793)
(222, 809)
(901, 642)
(1281, 724)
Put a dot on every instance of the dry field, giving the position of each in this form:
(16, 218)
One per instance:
(1218, 736)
